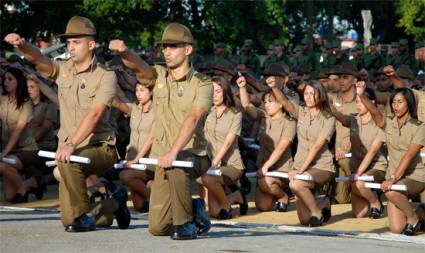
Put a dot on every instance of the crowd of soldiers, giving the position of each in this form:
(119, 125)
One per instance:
(313, 113)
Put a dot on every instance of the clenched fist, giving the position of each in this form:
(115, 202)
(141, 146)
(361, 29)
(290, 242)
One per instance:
(13, 39)
(117, 46)
(241, 82)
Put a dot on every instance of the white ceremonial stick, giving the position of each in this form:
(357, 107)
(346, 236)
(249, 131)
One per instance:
(214, 172)
(348, 155)
(150, 161)
(396, 187)
(9, 160)
(133, 166)
(361, 178)
(50, 163)
(73, 158)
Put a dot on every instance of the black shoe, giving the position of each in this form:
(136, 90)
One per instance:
(326, 214)
(315, 222)
(243, 208)
(376, 213)
(281, 207)
(184, 232)
(411, 230)
(245, 184)
(122, 214)
(200, 217)
(19, 198)
(83, 224)
(224, 215)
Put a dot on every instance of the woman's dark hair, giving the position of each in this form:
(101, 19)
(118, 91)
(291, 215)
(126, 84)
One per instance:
(21, 88)
(323, 102)
(227, 91)
(410, 99)
(269, 92)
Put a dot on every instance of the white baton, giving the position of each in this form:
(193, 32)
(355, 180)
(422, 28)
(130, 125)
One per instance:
(50, 163)
(395, 187)
(150, 161)
(9, 160)
(348, 155)
(214, 172)
(361, 178)
(133, 166)
(73, 158)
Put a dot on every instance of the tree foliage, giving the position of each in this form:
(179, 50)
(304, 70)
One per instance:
(412, 19)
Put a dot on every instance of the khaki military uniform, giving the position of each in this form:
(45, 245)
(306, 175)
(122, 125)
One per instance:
(308, 130)
(398, 141)
(362, 135)
(45, 111)
(77, 92)
(170, 201)
(342, 142)
(140, 125)
(26, 147)
(216, 130)
(272, 131)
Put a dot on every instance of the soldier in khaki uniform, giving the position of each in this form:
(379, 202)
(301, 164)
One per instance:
(85, 94)
(367, 157)
(182, 98)
(405, 136)
(277, 132)
(141, 120)
(17, 141)
(315, 127)
(344, 102)
(222, 128)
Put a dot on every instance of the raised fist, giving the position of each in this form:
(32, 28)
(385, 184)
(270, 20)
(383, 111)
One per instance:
(117, 46)
(241, 82)
(360, 87)
(271, 81)
(13, 39)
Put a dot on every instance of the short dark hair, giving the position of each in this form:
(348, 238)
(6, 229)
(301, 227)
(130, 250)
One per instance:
(227, 91)
(410, 99)
(319, 89)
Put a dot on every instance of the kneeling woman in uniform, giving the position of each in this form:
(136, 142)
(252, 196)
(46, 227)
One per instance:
(141, 119)
(315, 127)
(222, 128)
(368, 157)
(16, 138)
(405, 136)
(276, 134)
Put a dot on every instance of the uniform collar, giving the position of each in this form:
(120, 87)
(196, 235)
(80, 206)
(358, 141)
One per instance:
(91, 67)
(395, 123)
(187, 77)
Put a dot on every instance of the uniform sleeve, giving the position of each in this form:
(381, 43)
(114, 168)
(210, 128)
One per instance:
(236, 126)
(107, 89)
(204, 95)
(380, 136)
(328, 128)
(419, 137)
(25, 113)
(130, 107)
(51, 112)
(57, 66)
(289, 130)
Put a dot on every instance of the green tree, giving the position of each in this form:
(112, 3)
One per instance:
(412, 18)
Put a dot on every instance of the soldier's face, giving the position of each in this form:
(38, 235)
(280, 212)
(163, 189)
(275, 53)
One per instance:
(334, 83)
(310, 96)
(347, 82)
(218, 98)
(176, 54)
(143, 94)
(383, 83)
(399, 105)
(33, 90)
(10, 83)
(80, 48)
(271, 105)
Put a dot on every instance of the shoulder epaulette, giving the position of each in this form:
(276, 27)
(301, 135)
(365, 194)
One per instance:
(201, 76)
(289, 117)
(391, 116)
(354, 114)
(415, 121)
(326, 114)
(234, 109)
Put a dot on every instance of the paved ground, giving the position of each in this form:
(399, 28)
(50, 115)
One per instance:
(40, 231)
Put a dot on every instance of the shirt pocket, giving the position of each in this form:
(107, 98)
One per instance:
(86, 95)
(65, 90)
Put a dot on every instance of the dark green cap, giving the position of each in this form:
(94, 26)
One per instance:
(276, 69)
(404, 42)
(405, 72)
(219, 45)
